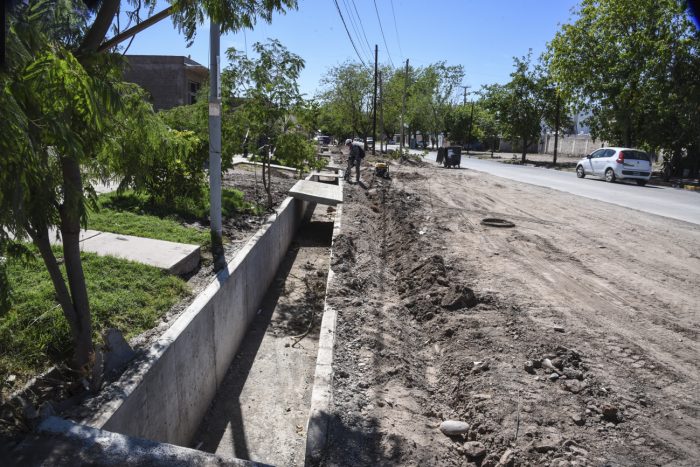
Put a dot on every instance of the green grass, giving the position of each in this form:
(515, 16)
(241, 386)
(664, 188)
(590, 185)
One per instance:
(130, 213)
(124, 295)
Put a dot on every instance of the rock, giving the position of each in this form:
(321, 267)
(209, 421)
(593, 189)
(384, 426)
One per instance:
(573, 374)
(549, 442)
(454, 427)
(529, 367)
(117, 352)
(610, 413)
(558, 329)
(537, 363)
(547, 364)
(459, 297)
(578, 418)
(480, 366)
(573, 385)
(554, 376)
(507, 459)
(474, 450)
(558, 364)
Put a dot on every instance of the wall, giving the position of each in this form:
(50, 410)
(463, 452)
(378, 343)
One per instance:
(573, 145)
(170, 392)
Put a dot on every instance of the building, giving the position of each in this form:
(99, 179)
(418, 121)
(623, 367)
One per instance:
(170, 80)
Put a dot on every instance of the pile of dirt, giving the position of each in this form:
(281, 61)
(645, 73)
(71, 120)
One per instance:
(423, 337)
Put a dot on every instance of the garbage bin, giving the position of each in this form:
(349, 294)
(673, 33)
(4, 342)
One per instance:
(453, 156)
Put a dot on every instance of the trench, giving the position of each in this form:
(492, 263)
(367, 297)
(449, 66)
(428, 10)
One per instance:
(261, 408)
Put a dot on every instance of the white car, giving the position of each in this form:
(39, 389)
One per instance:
(616, 164)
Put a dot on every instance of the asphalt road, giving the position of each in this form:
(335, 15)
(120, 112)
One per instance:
(664, 201)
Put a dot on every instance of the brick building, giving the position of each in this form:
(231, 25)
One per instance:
(170, 80)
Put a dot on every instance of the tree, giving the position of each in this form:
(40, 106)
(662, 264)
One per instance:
(347, 98)
(519, 105)
(635, 66)
(442, 80)
(59, 92)
(269, 91)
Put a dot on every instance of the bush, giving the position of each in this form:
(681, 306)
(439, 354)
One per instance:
(295, 150)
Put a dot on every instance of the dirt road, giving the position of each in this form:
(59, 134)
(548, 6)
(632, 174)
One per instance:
(444, 318)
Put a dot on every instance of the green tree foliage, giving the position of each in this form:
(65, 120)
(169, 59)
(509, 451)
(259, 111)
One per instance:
(58, 96)
(268, 90)
(347, 99)
(635, 66)
(519, 106)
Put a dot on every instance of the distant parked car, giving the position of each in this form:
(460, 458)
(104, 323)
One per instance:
(421, 145)
(616, 164)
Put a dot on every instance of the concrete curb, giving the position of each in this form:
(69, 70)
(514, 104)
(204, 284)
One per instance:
(322, 392)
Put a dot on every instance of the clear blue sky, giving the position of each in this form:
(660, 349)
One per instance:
(482, 35)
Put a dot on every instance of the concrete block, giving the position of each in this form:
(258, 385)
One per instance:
(176, 258)
(316, 192)
(62, 442)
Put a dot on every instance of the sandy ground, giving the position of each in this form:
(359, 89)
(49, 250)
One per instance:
(261, 408)
(443, 318)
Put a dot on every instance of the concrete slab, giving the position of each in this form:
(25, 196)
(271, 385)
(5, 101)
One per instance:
(243, 161)
(176, 258)
(59, 442)
(317, 192)
(325, 174)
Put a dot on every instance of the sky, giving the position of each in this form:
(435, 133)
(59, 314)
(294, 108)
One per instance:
(481, 35)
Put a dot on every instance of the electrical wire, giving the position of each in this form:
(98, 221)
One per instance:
(348, 33)
(361, 26)
(382, 30)
(356, 30)
(396, 29)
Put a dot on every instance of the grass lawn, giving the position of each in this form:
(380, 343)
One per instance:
(130, 213)
(124, 295)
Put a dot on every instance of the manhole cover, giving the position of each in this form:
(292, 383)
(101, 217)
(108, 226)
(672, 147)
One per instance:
(495, 222)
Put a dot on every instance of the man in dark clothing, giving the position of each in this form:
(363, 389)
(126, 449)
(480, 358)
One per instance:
(355, 156)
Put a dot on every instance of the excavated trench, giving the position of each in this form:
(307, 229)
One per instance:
(261, 407)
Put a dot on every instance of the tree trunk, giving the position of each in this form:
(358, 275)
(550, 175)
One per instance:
(524, 158)
(97, 32)
(70, 233)
(43, 242)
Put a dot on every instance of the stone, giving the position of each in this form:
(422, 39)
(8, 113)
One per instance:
(573, 385)
(529, 367)
(507, 459)
(117, 351)
(547, 364)
(454, 427)
(549, 442)
(610, 413)
(554, 376)
(474, 450)
(459, 297)
(578, 418)
(558, 329)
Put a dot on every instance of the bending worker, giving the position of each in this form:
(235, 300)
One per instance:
(357, 153)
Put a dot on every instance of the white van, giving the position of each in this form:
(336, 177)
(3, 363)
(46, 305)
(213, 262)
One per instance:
(616, 164)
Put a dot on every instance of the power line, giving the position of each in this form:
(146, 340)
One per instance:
(348, 32)
(382, 30)
(356, 30)
(396, 28)
(360, 21)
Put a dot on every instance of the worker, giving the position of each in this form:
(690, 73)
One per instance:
(355, 156)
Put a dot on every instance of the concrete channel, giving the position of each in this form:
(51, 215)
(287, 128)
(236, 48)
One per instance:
(233, 377)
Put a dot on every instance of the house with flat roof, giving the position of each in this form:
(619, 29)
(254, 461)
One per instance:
(170, 80)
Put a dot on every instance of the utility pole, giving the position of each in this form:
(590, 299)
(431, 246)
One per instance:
(217, 246)
(374, 106)
(381, 115)
(403, 108)
(464, 103)
(556, 126)
(471, 120)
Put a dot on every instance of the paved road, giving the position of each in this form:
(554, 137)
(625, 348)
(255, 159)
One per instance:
(663, 201)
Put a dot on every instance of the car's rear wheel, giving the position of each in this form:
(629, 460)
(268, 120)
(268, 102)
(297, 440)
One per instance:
(609, 175)
(579, 172)
(641, 182)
